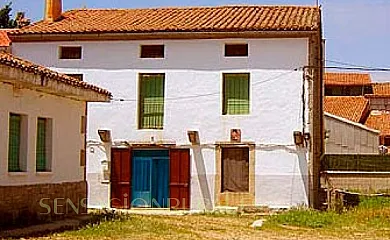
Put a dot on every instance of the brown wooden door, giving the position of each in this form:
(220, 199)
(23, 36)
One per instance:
(179, 183)
(120, 177)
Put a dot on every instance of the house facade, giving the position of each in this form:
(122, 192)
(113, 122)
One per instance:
(42, 142)
(205, 103)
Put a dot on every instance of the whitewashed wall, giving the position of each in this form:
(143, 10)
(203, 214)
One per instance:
(194, 67)
(349, 137)
(67, 140)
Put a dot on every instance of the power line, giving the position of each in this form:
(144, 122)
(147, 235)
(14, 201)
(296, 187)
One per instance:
(360, 69)
(213, 93)
(357, 66)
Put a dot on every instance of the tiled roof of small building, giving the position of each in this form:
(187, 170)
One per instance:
(381, 89)
(15, 62)
(4, 40)
(379, 120)
(185, 19)
(347, 79)
(349, 107)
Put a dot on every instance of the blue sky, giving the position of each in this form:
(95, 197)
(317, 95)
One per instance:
(356, 31)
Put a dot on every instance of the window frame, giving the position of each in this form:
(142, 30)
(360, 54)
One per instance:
(225, 104)
(233, 53)
(22, 143)
(140, 105)
(47, 141)
(61, 53)
(144, 55)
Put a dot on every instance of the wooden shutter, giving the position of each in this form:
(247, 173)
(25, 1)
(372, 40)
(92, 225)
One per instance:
(235, 93)
(120, 177)
(151, 101)
(179, 183)
(41, 156)
(15, 122)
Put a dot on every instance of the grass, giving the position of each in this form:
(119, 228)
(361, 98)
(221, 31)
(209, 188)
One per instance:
(370, 220)
(371, 216)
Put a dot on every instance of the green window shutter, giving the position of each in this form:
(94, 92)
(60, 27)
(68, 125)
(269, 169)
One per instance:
(41, 156)
(15, 121)
(236, 94)
(151, 101)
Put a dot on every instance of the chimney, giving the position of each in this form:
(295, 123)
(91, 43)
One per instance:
(53, 10)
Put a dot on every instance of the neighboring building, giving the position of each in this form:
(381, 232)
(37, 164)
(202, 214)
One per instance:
(42, 141)
(5, 42)
(348, 137)
(360, 101)
(229, 78)
(347, 84)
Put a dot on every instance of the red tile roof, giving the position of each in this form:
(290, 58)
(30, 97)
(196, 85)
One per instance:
(15, 62)
(347, 78)
(187, 19)
(379, 120)
(381, 89)
(4, 40)
(351, 108)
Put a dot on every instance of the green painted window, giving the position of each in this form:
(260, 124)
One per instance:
(235, 93)
(41, 148)
(151, 104)
(15, 124)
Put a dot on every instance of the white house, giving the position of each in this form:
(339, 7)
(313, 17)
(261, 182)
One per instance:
(42, 142)
(206, 101)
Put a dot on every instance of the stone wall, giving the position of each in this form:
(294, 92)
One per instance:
(30, 204)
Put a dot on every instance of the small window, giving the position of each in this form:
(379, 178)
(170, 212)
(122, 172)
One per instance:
(235, 169)
(43, 145)
(151, 101)
(83, 125)
(235, 94)
(17, 143)
(70, 52)
(82, 158)
(236, 50)
(79, 77)
(152, 51)
(386, 141)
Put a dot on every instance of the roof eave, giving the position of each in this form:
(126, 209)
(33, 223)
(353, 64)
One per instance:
(40, 83)
(87, 36)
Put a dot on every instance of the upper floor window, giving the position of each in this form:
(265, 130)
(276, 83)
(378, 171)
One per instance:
(235, 94)
(151, 101)
(236, 50)
(152, 51)
(79, 77)
(68, 52)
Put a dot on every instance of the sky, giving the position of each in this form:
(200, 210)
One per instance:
(356, 31)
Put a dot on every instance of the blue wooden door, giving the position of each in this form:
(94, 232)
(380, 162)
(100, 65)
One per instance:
(150, 178)
(142, 182)
(160, 182)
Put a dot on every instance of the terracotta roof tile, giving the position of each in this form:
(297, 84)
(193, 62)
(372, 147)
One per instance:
(15, 62)
(347, 79)
(4, 40)
(187, 19)
(379, 120)
(381, 89)
(350, 107)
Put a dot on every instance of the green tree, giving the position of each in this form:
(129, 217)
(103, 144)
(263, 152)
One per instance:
(7, 22)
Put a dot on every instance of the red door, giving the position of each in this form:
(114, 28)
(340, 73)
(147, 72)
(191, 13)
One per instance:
(179, 183)
(120, 177)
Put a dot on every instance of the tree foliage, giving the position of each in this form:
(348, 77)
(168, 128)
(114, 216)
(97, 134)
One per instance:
(7, 22)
